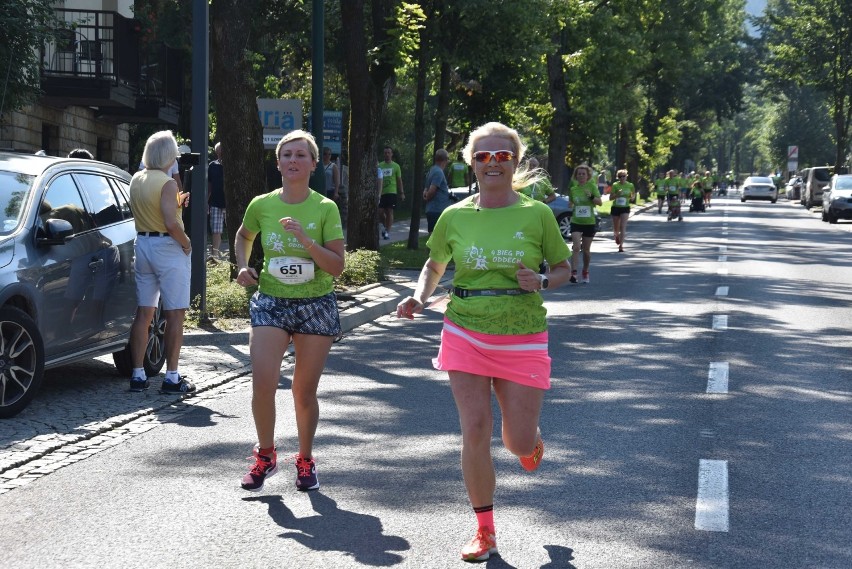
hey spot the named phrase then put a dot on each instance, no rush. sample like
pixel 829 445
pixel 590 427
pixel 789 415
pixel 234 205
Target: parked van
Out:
pixel 813 181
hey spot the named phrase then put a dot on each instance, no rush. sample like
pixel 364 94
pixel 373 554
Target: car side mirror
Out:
pixel 56 231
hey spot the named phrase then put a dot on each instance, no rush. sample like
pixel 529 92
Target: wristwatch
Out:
pixel 545 282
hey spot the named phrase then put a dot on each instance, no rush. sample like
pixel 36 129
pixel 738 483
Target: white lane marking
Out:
pixel 717 377
pixel 711 504
pixel 723 258
pixel 722 271
pixel 720 321
pixel 723 248
pixel 722 291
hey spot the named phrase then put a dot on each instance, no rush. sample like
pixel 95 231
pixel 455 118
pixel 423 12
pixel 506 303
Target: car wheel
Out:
pixel 564 221
pixel 155 353
pixel 21 360
pixel 773 201
pixel 742 200
pixel 831 217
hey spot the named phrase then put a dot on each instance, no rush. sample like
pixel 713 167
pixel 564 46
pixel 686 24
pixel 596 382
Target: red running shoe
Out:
pixel 481 547
pixel 306 474
pixel 533 461
pixel 264 467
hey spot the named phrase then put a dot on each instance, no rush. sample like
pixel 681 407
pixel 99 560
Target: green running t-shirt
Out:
pixel 582 202
pixel 620 194
pixel 320 221
pixel 485 244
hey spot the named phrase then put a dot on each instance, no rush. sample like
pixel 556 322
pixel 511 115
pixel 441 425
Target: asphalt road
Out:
pixel 654 456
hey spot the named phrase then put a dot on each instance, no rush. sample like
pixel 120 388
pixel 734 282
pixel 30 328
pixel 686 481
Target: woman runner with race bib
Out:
pixel 495 332
pixel 302 253
pixel 621 195
pixel 584 197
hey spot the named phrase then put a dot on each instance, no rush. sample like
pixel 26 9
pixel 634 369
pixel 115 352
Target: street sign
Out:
pixel 278 117
pixel 792 158
pixel 332 130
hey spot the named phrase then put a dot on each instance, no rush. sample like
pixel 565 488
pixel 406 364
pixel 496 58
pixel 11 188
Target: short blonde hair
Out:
pixel 298 135
pixel 582 166
pixel 523 176
pixel 621 172
pixel 161 150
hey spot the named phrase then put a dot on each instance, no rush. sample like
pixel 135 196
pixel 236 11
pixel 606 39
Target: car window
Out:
pixel 105 209
pixel 822 174
pixel 122 192
pixel 13 197
pixel 756 180
pixel 844 183
pixel 62 201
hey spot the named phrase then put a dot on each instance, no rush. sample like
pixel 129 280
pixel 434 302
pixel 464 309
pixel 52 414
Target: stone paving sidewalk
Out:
pixel 72 419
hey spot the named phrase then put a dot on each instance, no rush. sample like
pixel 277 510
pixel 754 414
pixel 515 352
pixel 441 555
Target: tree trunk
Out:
pixel 557 139
pixel 234 97
pixel 370 83
pixel 842 112
pixel 419 140
pixel 442 108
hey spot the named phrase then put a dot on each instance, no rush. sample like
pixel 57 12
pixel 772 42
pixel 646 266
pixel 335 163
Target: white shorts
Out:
pixel 162 268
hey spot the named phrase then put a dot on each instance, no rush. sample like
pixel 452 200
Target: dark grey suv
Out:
pixel 67 287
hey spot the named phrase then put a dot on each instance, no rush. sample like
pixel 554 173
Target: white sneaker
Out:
pixel 585 278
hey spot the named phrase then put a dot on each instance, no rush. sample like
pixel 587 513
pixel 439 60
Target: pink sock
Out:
pixel 485 516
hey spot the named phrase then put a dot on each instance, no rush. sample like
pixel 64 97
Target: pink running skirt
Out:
pixel 521 359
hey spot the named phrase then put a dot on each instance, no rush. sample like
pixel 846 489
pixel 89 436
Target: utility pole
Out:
pixel 199 129
pixel 317 80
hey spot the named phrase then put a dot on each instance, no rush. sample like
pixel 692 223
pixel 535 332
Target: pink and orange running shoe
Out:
pixel 481 547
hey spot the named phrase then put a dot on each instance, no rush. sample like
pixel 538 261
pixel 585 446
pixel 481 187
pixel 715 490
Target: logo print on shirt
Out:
pixel 519 235
pixel 476 257
pixel 311 226
pixel 275 243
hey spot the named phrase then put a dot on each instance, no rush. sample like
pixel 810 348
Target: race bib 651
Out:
pixel 291 270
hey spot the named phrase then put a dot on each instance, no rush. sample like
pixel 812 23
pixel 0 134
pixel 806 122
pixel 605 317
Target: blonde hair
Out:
pixel 298 135
pixel 523 176
pixel 161 150
pixel 582 166
pixel 621 172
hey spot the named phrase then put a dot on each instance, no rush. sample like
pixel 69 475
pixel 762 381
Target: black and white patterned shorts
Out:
pixel 317 316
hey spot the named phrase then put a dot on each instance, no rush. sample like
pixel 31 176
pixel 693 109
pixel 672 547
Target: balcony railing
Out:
pixel 104 48
pixel 87 46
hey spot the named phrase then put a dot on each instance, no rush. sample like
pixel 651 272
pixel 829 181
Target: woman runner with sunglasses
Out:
pixel 495 332
pixel 622 194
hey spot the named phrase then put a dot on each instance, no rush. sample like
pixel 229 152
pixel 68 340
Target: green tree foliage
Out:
pixel 810 42
pixel 25 27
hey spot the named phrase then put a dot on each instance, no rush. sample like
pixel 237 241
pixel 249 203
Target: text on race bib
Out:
pixel 584 211
pixel 291 270
pixel 621 202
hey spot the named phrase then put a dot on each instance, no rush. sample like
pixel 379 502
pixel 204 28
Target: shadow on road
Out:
pixel 334 529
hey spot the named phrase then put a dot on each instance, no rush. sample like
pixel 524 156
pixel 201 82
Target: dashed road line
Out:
pixel 721 291
pixel 711 504
pixel 720 321
pixel 717 377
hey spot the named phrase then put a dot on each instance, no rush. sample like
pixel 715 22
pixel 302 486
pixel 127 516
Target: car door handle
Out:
pixel 96 264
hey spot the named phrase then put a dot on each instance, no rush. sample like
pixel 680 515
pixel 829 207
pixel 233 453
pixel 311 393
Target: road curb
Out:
pixel 381 300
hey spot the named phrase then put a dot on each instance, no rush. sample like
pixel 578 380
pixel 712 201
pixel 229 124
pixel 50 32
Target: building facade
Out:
pixel 97 79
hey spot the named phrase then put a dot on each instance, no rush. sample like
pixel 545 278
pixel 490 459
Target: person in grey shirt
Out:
pixel 436 193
